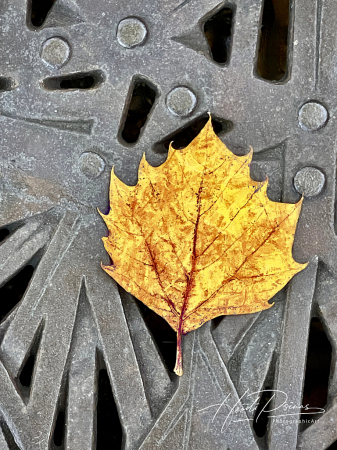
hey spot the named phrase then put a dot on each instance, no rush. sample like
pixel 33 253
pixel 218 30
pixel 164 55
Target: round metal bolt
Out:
pixel 309 181
pixel 131 32
pixel 55 52
pixel 91 164
pixel 181 101
pixel 312 116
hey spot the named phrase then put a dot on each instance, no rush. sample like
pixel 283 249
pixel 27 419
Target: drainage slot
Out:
pixel 184 136
pixel 58 438
pixel 27 369
pixel 4 232
pixel 163 334
pixel 272 59
pixel 12 292
pixel 261 418
pixel 38 11
pixel 60 428
pixel 27 372
pixel 9 437
pixel 109 430
pixel 218 32
pixel 140 105
pixel 317 371
pixel 79 80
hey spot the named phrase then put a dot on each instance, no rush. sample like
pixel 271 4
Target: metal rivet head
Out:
pixel 312 116
pixel 55 52
pixel 131 32
pixel 91 164
pixel 309 181
pixel 181 101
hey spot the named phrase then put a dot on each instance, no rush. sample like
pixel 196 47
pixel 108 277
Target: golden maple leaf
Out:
pixel 197 238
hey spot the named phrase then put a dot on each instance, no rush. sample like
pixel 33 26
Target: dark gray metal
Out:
pixel 57 150
pixel 291 364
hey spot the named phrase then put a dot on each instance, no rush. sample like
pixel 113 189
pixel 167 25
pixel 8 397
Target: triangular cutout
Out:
pixel 212 35
pixel 109 432
pixel 60 427
pixel 164 336
pixel 12 292
pixel 194 39
pixel 218 30
pixel 16 277
pixel 261 420
pixel 26 374
pixel 8 436
pixel 182 137
pixel 8 229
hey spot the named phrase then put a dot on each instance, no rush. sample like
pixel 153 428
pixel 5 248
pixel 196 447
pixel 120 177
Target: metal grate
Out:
pixel 82 366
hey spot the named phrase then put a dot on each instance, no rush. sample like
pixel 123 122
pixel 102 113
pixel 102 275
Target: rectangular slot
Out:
pixel 272 59
pixel 74 81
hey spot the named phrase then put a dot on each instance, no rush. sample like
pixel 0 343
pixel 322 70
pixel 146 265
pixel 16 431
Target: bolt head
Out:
pixel 181 101
pixel 91 164
pixel 312 116
pixel 55 52
pixel 309 181
pixel 131 32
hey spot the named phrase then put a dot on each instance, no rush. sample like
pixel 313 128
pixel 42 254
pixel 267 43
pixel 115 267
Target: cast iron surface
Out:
pixel 58 144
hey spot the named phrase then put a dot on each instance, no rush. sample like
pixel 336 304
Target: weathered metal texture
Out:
pixel 58 146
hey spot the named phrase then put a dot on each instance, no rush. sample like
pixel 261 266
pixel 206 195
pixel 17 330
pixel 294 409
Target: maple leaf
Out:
pixel 197 238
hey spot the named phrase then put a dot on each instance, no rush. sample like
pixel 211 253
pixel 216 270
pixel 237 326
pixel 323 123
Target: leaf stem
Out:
pixel 179 360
